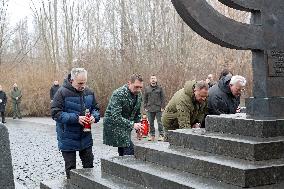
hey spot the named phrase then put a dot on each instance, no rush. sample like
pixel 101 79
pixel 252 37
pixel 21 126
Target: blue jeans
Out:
pixel 151 117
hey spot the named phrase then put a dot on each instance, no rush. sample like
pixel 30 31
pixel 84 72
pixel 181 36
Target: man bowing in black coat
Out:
pixel 3 101
pixel 224 98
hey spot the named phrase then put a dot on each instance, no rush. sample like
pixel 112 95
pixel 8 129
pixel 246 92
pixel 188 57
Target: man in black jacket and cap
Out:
pixel 3 101
pixel 224 98
pixel 54 89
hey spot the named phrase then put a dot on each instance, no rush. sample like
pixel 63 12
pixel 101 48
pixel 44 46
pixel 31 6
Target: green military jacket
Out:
pixel 122 112
pixel 182 111
pixel 16 92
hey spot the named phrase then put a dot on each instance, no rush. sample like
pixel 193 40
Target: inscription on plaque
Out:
pixel 275 61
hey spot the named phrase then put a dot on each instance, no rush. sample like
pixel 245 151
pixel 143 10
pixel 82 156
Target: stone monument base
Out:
pixel 234 152
pixel 6 168
pixel 265 108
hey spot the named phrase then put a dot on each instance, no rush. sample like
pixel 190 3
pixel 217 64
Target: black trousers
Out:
pixel 3 117
pixel 126 150
pixel 69 157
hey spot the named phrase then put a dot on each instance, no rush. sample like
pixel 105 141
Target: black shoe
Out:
pixel 4 122
pixel 20 117
pixel 14 117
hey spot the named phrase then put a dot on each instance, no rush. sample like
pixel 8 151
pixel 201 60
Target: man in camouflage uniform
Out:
pixel 16 95
pixel 122 115
pixel 187 107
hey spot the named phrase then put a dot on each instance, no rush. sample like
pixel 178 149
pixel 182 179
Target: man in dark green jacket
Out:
pixel 187 107
pixel 122 115
pixel 16 95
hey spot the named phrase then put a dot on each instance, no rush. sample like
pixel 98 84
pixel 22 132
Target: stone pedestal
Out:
pixel 6 168
pixel 234 152
pixel 268 87
pixel 265 108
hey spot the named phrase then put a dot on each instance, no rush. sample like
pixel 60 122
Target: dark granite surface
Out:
pixel 6 168
pixel 242 124
pixel 263 36
pixel 231 170
pixel 243 147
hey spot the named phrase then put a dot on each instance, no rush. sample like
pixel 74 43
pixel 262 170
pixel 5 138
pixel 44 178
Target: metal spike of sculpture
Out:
pixel 264 36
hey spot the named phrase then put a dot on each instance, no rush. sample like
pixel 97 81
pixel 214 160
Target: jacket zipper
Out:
pixel 81 107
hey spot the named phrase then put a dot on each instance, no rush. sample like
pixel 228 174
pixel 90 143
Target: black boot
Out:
pixel 3 117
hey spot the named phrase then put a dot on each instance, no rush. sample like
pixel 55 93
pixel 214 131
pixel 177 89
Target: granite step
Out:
pixel 242 125
pixel 243 147
pixel 238 172
pixel 57 184
pixel 94 178
pixel 156 176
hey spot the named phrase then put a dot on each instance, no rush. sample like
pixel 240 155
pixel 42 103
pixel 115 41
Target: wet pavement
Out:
pixel 35 153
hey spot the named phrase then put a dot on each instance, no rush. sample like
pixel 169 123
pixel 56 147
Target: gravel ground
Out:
pixel 35 153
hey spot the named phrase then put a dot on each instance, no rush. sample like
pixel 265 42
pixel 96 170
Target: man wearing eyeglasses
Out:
pixel 224 98
pixel 68 109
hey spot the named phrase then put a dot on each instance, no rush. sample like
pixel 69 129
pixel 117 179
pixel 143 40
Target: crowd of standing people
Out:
pixel 74 106
pixel 16 97
pixel 187 109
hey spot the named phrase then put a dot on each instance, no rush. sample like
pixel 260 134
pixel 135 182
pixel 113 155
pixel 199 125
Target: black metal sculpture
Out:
pixel 263 36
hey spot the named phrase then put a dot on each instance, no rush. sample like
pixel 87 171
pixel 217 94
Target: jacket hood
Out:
pixel 188 87
pixel 223 84
pixel 68 85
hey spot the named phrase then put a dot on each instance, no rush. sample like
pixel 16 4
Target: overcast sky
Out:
pixel 19 9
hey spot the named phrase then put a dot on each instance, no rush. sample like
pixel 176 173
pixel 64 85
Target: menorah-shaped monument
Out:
pixel 263 36
pixel 237 151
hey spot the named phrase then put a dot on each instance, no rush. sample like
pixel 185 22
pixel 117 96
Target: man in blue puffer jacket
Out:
pixel 68 110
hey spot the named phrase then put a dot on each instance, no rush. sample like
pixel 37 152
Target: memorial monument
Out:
pixel 6 168
pixel 263 36
pixel 237 151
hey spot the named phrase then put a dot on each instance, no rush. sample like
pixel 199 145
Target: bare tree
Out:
pixel 3 26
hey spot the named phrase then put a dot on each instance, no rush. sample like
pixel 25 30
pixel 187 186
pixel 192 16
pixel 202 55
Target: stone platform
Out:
pixel 233 152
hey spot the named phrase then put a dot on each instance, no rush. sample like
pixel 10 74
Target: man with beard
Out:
pixel 154 104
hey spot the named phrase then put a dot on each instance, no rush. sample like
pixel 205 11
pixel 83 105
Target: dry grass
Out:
pixel 156 42
pixel 104 76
